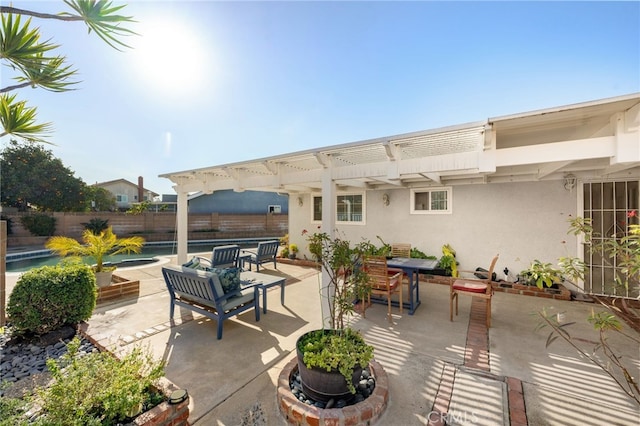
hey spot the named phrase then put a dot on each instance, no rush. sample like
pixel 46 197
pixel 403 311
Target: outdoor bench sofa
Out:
pixel 203 292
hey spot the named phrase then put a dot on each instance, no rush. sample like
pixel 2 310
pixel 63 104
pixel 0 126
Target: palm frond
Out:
pixel 51 74
pixel 20 120
pixel 100 17
pixel 20 45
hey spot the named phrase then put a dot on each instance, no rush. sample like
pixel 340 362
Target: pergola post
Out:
pixel 182 225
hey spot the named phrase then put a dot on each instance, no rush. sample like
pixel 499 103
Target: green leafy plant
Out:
pixel 96 225
pixel 341 350
pixel 339 347
pixel 98 388
pixel 448 260
pixel 139 208
pixel 95 246
pixel 417 254
pixel 40 225
pixel 541 274
pixel 47 298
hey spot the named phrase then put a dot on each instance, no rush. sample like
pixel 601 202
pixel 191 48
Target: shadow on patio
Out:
pixel 433 365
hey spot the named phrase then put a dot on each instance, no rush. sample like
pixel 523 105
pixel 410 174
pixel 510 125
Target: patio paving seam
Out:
pixel 441 403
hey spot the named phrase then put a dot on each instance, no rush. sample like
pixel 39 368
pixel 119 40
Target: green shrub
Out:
pixel 40 225
pixel 96 225
pixel 99 389
pixel 46 298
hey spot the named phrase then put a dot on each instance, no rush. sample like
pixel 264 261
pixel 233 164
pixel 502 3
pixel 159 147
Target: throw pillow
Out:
pixel 194 263
pixel 229 279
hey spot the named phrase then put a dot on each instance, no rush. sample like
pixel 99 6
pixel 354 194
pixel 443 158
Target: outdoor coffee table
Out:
pixel 263 282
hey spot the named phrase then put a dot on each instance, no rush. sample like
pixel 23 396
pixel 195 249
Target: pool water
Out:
pixel 148 255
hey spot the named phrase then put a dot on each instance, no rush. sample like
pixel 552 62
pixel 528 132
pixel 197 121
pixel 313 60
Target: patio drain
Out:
pixel 366 412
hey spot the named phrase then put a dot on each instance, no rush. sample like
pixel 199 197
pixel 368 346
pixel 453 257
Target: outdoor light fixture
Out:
pixel 300 202
pixel 385 199
pixel 569 182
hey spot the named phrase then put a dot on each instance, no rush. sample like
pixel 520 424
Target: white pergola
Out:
pixel 581 141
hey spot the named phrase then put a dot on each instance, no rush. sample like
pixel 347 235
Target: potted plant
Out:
pixel 447 264
pixel 540 274
pixel 293 251
pixel 330 360
pixel 96 246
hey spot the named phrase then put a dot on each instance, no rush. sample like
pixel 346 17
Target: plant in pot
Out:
pixel 96 247
pixel 293 251
pixel 331 360
pixel 540 274
pixel 447 264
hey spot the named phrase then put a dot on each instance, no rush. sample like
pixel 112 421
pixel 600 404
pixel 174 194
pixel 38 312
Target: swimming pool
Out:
pixel 20 262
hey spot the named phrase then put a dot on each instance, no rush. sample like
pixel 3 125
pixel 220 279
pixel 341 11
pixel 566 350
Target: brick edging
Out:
pixel 367 412
pixel 163 414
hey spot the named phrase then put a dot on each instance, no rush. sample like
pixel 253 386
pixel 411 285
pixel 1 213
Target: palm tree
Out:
pixel 37 63
pixel 96 246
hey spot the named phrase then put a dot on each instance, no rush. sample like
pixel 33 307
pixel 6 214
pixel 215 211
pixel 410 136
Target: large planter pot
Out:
pixel 103 278
pixel 322 385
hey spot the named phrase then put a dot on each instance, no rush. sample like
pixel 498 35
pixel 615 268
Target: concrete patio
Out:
pixel 503 377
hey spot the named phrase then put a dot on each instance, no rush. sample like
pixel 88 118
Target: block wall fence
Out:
pixel 160 226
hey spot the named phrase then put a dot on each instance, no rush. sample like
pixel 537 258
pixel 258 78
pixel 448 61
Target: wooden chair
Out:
pixel 473 287
pixel 401 250
pixel 381 282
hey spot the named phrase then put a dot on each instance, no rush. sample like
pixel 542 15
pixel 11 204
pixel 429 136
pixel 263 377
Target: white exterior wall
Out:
pixel 520 221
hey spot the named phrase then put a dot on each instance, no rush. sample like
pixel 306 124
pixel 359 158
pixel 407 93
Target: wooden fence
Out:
pixel 160 226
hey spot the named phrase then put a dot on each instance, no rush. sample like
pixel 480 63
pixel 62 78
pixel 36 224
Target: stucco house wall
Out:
pixel 520 221
pixel 123 187
pixel 231 202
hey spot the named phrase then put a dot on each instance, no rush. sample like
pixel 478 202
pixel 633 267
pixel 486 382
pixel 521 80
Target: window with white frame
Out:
pixel 122 198
pixel 431 200
pixel 349 208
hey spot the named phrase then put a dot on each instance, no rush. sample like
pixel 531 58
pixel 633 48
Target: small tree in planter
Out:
pixel 626 249
pixel 339 350
pixel 106 243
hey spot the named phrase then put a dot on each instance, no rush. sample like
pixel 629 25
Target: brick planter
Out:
pixel 120 288
pixel 163 414
pixel 561 293
pixel 366 412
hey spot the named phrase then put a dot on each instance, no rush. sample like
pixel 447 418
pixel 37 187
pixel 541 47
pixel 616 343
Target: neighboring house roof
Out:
pixel 597 138
pixel 126 182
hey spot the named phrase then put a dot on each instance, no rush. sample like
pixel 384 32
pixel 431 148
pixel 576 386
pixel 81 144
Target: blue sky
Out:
pixel 211 83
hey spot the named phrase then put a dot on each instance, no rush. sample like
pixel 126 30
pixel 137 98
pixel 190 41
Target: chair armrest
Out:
pixel 250 252
pixel 396 275
pixel 204 259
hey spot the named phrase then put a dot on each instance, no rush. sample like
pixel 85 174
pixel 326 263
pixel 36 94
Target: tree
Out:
pixel 37 64
pixel 99 199
pixel 33 178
